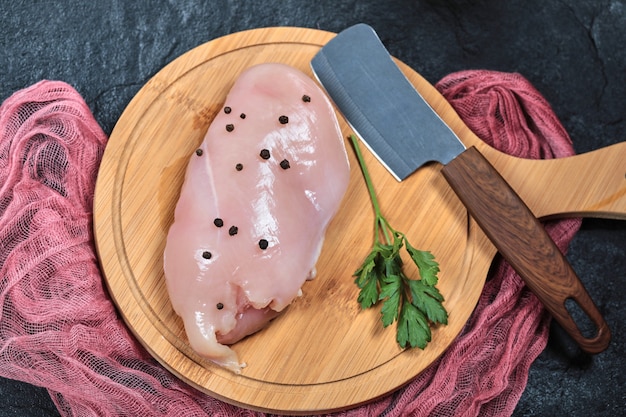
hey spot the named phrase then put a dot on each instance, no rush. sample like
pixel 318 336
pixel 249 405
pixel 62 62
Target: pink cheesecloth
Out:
pixel 60 330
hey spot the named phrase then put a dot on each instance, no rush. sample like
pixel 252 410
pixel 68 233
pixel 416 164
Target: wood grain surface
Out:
pixel 323 353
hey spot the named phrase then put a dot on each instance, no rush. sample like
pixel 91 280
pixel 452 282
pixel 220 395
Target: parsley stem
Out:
pixel 380 223
pixel 366 174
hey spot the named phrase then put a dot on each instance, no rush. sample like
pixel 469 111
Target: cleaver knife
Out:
pixel 404 132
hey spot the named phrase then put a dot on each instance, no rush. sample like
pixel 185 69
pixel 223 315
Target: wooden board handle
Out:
pixel 524 243
pixel 591 184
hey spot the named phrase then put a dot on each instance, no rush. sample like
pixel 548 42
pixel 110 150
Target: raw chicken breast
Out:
pixel 258 195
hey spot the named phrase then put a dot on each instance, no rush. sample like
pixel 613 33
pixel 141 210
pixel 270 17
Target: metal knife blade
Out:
pixel 403 131
pixel 381 105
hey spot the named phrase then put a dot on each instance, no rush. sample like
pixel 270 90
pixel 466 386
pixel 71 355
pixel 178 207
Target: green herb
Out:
pixel 414 303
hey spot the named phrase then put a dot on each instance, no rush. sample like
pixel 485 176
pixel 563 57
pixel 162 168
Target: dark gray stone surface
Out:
pixel 571 50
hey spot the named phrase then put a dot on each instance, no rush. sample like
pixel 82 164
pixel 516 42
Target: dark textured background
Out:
pixel 571 50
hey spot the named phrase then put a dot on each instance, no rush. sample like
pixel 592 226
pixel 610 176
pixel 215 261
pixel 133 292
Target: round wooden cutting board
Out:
pixel 324 353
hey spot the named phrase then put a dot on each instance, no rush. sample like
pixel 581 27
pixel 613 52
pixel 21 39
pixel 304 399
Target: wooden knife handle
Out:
pixel 524 243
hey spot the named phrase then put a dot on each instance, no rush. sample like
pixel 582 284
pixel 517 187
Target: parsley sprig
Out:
pixel 414 303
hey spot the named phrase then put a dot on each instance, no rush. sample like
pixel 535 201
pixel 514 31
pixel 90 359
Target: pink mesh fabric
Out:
pixel 59 329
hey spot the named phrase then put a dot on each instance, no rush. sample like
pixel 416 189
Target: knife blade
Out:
pixel 402 130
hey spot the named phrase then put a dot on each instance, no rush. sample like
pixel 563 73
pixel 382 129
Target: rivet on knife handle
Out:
pixel 522 241
pixel 404 132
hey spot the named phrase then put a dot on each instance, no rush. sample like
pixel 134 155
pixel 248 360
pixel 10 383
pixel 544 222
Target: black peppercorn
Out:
pixel 284 164
pixel 199 152
pixel 263 244
pixel 265 154
pixel 233 230
pixel 283 120
pixel 219 306
pixel 218 222
pixel 230 127
pixel 206 254
pixel 239 167
pixel 227 110
pixel 306 99
pixel 242 115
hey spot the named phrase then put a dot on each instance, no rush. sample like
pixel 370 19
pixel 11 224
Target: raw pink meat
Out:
pixel 258 196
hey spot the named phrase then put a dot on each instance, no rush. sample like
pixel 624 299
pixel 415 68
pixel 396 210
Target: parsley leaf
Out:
pixel 415 304
pixel 428 300
pixel 413 328
pixel 426 264
pixel 367 281
pixel 390 293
